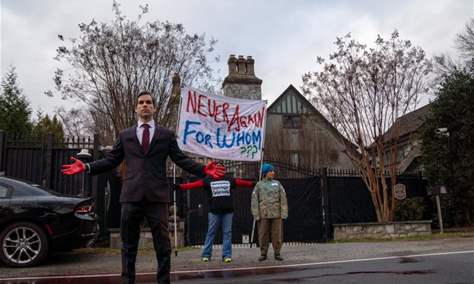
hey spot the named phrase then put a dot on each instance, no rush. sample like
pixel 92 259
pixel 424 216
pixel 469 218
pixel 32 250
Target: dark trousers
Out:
pixel 273 227
pixel 157 217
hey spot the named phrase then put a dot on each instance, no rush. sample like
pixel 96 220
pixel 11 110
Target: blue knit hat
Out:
pixel 266 168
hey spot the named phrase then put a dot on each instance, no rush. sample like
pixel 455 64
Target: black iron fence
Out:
pixel 317 198
pixel 39 160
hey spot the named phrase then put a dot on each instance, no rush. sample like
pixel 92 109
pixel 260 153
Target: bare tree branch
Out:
pixel 364 91
pixel 112 62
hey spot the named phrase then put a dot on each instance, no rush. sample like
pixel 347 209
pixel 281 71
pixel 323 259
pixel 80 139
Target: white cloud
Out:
pixel 284 37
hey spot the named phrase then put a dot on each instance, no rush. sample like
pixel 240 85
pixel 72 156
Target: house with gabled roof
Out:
pixel 406 131
pixel 298 134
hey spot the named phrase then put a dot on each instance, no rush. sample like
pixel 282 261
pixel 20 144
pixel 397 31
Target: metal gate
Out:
pixel 304 223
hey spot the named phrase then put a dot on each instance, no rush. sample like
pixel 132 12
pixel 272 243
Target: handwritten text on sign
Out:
pixel 221 127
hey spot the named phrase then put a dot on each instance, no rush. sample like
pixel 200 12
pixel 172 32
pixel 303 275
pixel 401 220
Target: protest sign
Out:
pixel 221 127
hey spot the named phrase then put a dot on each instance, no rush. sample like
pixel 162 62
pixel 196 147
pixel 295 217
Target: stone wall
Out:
pixel 381 230
pixel 248 92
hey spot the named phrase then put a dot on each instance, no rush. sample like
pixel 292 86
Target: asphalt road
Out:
pixel 430 261
pixel 446 267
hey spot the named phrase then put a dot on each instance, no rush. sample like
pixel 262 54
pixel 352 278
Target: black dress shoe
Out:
pixel 262 258
pixel 278 257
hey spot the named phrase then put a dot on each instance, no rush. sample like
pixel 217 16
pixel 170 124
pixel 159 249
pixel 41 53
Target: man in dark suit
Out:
pixel 145 189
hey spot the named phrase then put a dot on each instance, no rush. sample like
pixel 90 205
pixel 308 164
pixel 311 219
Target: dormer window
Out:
pixel 291 121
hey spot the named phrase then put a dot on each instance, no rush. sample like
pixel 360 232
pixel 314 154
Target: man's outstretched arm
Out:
pixel 191 185
pixel 244 183
pixel 111 160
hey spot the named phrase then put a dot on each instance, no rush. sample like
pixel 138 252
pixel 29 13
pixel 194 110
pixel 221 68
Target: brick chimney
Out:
pixel 241 81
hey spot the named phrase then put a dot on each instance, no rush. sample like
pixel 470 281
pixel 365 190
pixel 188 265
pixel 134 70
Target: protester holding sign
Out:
pixel 223 128
pixel 269 207
pixel 221 210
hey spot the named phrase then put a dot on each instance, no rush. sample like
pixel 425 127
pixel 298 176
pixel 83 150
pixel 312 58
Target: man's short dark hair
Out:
pixel 144 93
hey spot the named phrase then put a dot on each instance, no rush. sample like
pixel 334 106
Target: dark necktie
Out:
pixel 145 137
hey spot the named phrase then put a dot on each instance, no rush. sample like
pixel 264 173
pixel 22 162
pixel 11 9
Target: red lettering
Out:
pixel 243 121
pixel 217 114
pixel 211 110
pixel 259 117
pixel 201 105
pixel 205 106
pixel 225 106
pixel 191 101
pixel 251 119
pixel 235 119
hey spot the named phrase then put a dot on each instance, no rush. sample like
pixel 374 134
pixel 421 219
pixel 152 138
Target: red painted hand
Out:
pixel 74 168
pixel 214 170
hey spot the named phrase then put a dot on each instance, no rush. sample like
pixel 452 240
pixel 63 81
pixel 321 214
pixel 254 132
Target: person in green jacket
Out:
pixel 269 207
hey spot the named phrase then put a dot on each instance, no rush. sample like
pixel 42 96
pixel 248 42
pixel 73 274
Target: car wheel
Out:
pixel 23 244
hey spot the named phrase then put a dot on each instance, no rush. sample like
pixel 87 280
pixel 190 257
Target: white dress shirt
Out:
pixel 139 135
pixel 140 130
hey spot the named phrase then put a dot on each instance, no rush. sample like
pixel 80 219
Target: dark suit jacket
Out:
pixel 145 176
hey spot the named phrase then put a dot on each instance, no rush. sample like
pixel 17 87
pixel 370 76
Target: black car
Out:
pixel 35 221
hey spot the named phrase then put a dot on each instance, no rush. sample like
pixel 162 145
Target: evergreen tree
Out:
pixel 45 125
pixel 448 146
pixel 14 108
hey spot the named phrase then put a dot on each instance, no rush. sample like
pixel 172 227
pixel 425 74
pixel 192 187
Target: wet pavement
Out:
pixel 454 267
pixel 303 264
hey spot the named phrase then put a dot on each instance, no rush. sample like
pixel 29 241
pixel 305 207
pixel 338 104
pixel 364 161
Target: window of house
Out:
pixel 387 157
pixel 407 149
pixel 291 121
pixel 403 152
pixel 293 141
pixel 295 159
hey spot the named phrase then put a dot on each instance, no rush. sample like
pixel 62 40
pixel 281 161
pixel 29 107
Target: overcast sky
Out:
pixel 284 37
